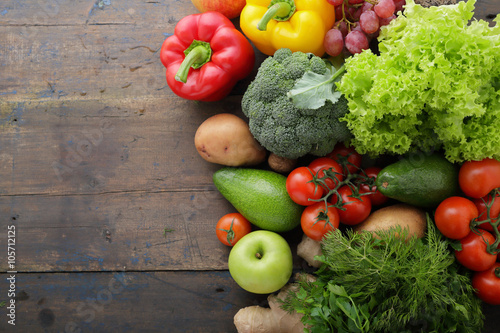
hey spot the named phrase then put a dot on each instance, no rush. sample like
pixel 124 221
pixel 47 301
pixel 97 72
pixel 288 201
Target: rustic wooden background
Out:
pixel 114 209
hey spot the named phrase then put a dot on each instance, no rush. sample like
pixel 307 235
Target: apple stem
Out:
pixel 258 255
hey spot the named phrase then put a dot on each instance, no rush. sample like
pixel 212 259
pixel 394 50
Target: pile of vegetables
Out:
pixel 387 283
pixel 408 251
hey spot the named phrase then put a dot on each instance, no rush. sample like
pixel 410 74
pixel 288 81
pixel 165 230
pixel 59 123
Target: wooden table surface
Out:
pixel 113 208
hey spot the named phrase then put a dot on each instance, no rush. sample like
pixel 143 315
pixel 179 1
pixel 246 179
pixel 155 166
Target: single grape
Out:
pixel 369 22
pixel 384 8
pixel 386 21
pixel 335 2
pixel 356 41
pixel 352 13
pixel 333 42
pixel 338 12
pixel 399 5
pixel 355 2
pixel 342 26
pixel 373 35
pixel 368 6
pixel 355 26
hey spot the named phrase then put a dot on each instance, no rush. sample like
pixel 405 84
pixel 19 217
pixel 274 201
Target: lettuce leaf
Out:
pixel 435 84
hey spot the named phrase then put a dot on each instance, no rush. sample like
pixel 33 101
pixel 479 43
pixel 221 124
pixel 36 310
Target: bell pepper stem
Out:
pixel 197 55
pixel 280 10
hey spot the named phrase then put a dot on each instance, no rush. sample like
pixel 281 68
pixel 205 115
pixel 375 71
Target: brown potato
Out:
pixel 226 139
pixel 403 215
pixel 281 164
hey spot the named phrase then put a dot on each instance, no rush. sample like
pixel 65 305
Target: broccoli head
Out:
pixel 275 121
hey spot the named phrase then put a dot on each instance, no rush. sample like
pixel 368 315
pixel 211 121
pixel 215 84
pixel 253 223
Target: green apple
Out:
pixel 261 262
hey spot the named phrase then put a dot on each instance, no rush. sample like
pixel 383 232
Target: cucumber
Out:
pixel 422 180
pixel 260 196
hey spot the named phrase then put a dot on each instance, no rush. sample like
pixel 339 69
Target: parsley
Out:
pixel 387 284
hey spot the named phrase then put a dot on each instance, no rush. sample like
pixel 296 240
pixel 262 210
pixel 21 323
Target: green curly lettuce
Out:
pixel 435 84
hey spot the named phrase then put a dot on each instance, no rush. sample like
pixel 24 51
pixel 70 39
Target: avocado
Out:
pixel 419 179
pixel 260 196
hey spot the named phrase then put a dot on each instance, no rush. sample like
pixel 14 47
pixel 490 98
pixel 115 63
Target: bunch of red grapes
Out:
pixel 357 23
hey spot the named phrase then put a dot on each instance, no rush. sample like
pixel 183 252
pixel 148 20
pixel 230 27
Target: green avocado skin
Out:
pixel 260 196
pixel 422 180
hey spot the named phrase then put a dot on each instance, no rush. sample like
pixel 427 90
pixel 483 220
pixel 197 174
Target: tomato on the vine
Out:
pixel 482 205
pixel 454 215
pixel 347 156
pixel 332 168
pixel 487 284
pixel 319 219
pixel 231 228
pixel 375 196
pixel 301 188
pixel 478 178
pixel 474 254
pixel 353 210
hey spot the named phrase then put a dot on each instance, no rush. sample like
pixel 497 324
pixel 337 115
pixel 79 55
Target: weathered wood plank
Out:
pixel 159 13
pixel 137 302
pixel 127 301
pixel 116 231
pixel 486 10
pixel 117 145
pixel 83 63
pixel 88 99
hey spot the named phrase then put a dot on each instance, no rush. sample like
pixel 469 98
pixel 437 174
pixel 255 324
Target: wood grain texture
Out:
pixel 125 301
pixel 93 139
pixel 203 302
pixel 99 174
pixel 137 230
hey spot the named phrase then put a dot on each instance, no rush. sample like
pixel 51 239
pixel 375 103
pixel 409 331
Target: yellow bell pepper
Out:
pixel 299 25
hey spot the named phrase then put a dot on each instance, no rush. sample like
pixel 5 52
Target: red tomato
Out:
pixel 487 284
pixel 478 178
pixel 317 220
pixel 231 228
pixel 474 254
pixel 376 197
pixel 353 210
pixel 300 187
pixel 347 156
pixel 453 217
pixel 482 206
pixel 322 164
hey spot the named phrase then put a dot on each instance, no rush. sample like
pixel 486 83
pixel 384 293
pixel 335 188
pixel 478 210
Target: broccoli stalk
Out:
pixel 307 123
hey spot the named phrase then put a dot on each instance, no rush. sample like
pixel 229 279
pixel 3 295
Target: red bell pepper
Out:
pixel 206 56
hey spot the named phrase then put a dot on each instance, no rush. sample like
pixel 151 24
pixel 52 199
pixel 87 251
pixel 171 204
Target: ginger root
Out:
pixel 257 319
pixel 307 249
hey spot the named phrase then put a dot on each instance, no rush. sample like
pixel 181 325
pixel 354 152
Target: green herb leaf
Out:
pixel 389 284
pixel 337 290
pixel 301 294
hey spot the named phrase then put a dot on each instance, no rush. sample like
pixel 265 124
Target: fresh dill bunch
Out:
pixel 388 283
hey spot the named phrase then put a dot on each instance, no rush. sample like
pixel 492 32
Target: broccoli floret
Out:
pixel 275 121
